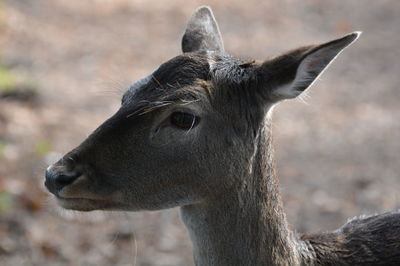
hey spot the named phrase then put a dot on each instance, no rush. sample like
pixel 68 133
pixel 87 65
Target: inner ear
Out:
pixel 288 75
pixel 318 59
pixel 202 32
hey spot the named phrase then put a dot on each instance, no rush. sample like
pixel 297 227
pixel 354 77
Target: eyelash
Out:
pixel 183 120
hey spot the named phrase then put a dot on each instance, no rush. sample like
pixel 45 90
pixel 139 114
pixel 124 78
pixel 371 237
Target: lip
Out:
pixel 87 204
pixel 78 204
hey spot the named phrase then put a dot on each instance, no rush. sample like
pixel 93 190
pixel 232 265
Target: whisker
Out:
pixel 145 110
pixel 134 243
pixel 159 84
pixel 191 127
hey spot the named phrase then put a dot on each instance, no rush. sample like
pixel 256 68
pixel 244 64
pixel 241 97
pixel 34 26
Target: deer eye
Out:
pixel 184 120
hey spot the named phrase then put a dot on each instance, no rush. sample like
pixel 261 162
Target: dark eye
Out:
pixel 184 120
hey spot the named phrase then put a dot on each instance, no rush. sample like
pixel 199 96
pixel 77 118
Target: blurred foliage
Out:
pixel 2 148
pixel 6 201
pixel 16 85
pixel 8 82
pixel 1 11
pixel 43 147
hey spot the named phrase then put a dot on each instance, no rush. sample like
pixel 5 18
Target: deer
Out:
pixel 196 134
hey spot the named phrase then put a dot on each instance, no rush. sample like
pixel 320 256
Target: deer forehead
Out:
pixel 189 76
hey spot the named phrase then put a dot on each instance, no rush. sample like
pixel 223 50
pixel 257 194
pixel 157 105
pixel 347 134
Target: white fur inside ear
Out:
pixel 207 23
pixel 312 66
pixel 308 72
pixel 202 32
pixel 285 92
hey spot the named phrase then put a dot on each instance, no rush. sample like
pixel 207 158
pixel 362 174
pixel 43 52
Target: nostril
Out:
pixel 56 180
pixel 66 178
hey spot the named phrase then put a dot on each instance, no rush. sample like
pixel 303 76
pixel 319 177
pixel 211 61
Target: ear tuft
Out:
pixel 202 32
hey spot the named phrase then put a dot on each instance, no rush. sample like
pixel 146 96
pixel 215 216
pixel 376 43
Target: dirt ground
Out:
pixel 338 151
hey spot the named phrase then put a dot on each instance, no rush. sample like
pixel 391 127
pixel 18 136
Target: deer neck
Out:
pixel 246 226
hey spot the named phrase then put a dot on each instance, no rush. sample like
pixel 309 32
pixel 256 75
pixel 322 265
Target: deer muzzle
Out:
pixel 59 177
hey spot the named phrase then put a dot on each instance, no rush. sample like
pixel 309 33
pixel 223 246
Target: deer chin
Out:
pixel 76 197
pixel 88 204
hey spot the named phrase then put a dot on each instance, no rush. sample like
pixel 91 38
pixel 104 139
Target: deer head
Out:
pixel 187 132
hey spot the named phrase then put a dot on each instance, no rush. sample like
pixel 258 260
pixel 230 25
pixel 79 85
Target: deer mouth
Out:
pixel 89 204
pixel 73 191
pixel 78 204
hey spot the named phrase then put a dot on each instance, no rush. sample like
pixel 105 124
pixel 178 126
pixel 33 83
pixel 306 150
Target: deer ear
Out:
pixel 288 75
pixel 202 32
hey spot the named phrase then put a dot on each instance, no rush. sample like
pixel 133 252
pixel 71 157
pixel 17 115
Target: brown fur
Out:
pixel 220 171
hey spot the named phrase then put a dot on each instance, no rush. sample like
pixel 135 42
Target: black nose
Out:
pixel 57 179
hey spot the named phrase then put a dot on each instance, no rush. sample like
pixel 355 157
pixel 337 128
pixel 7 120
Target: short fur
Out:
pixel 220 171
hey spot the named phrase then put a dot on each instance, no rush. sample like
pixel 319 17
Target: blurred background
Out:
pixel 64 65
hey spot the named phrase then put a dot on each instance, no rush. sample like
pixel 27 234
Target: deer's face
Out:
pixel 184 133
pixel 161 149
